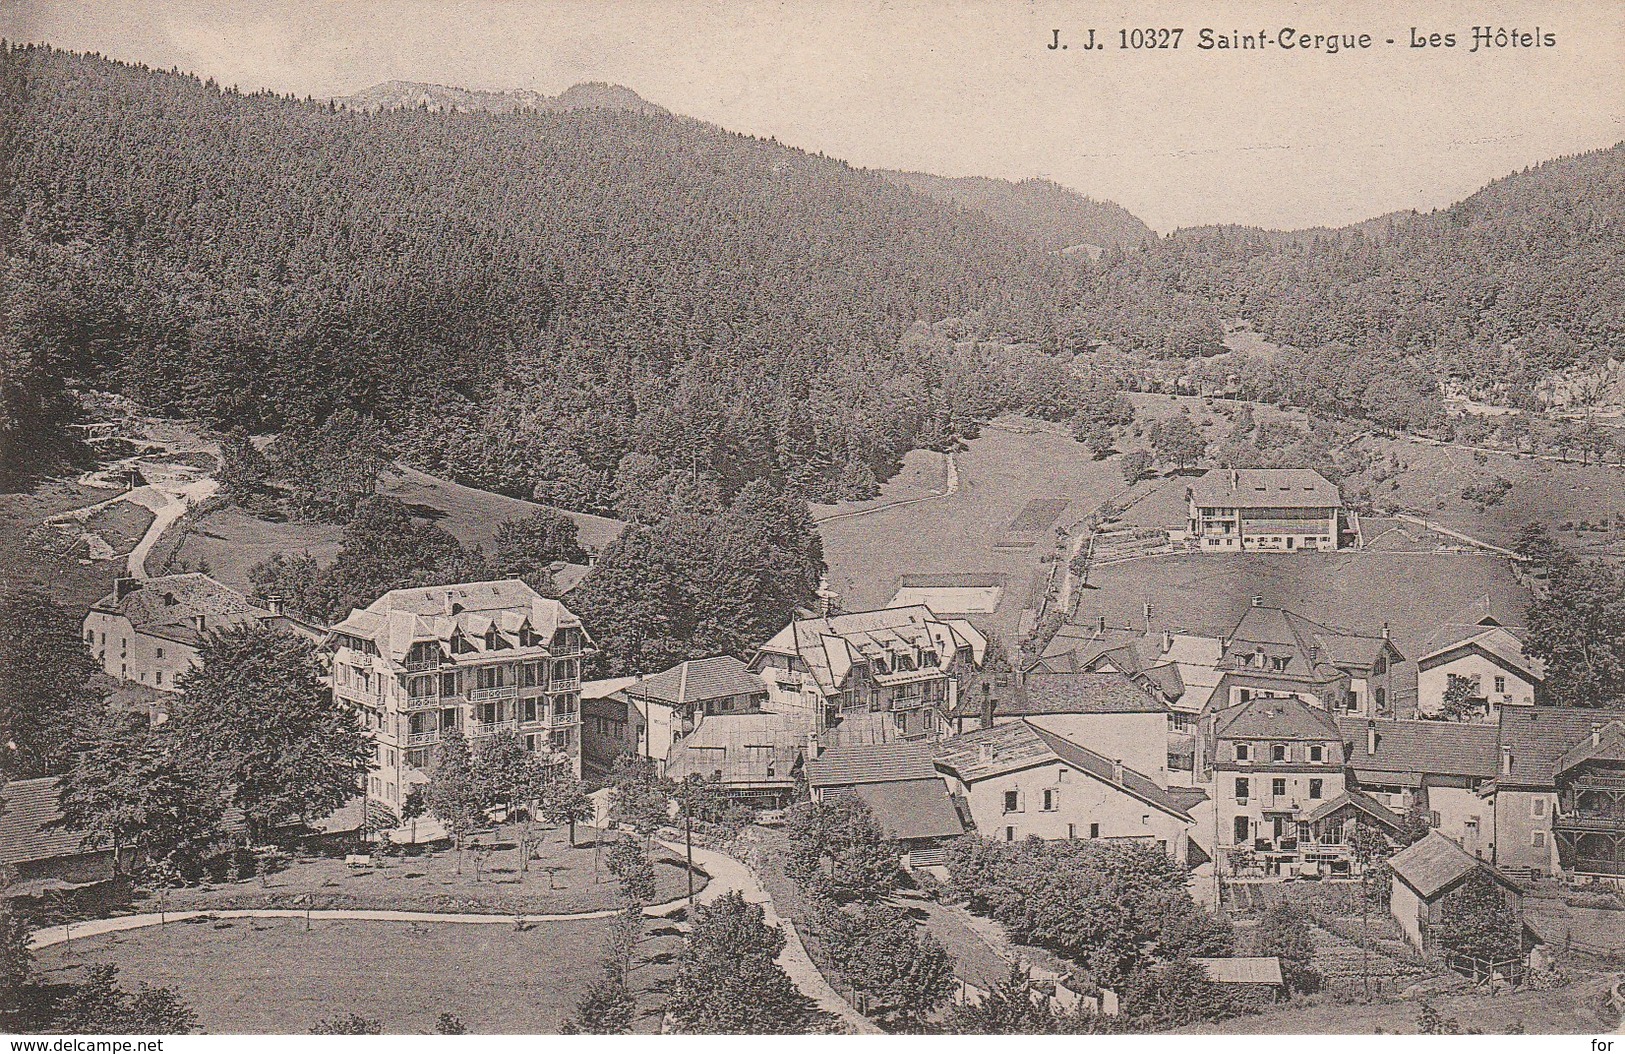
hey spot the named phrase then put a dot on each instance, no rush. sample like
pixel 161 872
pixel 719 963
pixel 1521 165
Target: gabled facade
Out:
pixel 1557 807
pixel 1020 781
pixel 147 632
pixel 1264 510
pixel 1480 651
pixel 902 661
pixel 479 657
pixel 1273 652
pixel 1443 769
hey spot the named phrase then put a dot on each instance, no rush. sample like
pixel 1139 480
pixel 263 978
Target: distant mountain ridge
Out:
pixel 1045 212
pixel 407 95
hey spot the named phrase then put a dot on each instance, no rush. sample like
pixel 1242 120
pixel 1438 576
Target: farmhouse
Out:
pixel 1425 874
pixel 147 632
pixel 479 657
pixel 902 661
pixel 1264 510
pixel 1020 781
pixel 1480 654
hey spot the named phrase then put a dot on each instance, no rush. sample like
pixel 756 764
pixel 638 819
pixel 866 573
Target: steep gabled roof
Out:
pixel 1536 738
pixel 1061 693
pixel 1604 744
pixel 1282 719
pixel 1435 864
pixel 170 606
pixel 699 680
pixel 890 637
pixel 1309 648
pixel 467 610
pixel 1499 644
pixel 28 812
pixel 913 808
pixel 1359 802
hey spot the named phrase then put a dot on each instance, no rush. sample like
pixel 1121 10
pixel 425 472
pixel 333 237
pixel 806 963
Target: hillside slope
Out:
pixel 1048 213
pixel 522 299
pixel 399 95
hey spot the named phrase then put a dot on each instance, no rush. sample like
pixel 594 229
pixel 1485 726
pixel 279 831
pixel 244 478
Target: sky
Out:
pixel 1272 137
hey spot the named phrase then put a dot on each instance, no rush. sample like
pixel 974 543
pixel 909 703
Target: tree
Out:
pixel 727 980
pixel 641 799
pixel 98 1006
pixel 1461 698
pixel 1174 995
pixel 449 1024
pixel 245 471
pixel 512 775
pixel 839 847
pixel 607 1009
pixel 1477 920
pixel 1177 440
pixel 1136 466
pixel 1537 546
pixel 130 789
pixel 564 799
pixel 1284 932
pixel 1578 627
pixel 527 548
pixel 455 793
pixel 628 862
pixel 348 1025
pixel 45 698
pixel 261 732
pixel 1014 1006
pixel 904 974
pixel 333 467
pixel 16 965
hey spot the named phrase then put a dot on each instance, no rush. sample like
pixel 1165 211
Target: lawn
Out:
pixel 565 880
pixel 33 555
pixel 1011 464
pixel 272 976
pixel 228 542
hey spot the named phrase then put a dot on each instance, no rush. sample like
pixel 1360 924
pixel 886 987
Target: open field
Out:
pixel 1010 464
pixel 271 976
pixel 924 472
pixel 229 541
pixel 36 556
pixel 565 880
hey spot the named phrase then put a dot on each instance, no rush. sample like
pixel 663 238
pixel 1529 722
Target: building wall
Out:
pixel 661 726
pixel 619 732
pixel 1139 741
pixel 1408 910
pixel 1432 682
pixel 1082 807
pixel 1261 798
pixel 132 656
pixel 1464 818
pixel 1522 814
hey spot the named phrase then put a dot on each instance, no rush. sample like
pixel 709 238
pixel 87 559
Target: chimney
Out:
pixel 124 585
pixel 987 705
pixel 1506 760
pixel 1370 737
pixel 1596 734
pixel 449 605
pixel 1117 772
pixel 200 622
pixel 813 749
pixel 1257 601
pixel 1167 642
pixel 1148 616
pixel 1385 631
pixel 1100 626
pixel 1234 479
pixel 275 603
pixel 984 753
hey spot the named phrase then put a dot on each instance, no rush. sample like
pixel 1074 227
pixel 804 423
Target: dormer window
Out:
pixel 1279 664
pixel 1242 752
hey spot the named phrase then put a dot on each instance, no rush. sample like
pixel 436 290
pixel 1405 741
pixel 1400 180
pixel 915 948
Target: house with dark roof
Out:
pixel 1264 510
pixel 481 657
pixel 1020 781
pixel 671 703
pixel 147 631
pixel 1281 805
pixel 36 848
pixel 1425 874
pixel 758 759
pixel 1274 651
pixel 1444 769
pixel 1559 805
pixel 902 661
pixel 1479 653
pixel 902 788
pixel 1120 715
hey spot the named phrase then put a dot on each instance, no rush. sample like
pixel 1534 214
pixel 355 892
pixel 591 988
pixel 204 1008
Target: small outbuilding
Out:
pixel 1427 872
pixel 1255 975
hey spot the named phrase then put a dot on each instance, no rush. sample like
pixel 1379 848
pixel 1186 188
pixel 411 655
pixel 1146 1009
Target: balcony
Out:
pixel 1589 820
pixel 422 702
pixel 477 729
pixel 422 739
pixel 489 695
pixel 423 665
pixel 564 720
pixel 564 684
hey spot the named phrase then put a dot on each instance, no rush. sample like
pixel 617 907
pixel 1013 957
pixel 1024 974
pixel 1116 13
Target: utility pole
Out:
pixel 688 841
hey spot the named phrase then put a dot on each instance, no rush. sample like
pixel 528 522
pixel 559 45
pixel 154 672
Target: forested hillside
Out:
pixel 520 300
pixel 394 95
pixel 1046 212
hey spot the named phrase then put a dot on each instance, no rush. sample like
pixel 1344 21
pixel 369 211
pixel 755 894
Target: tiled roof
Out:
pixel 1433 865
pixel 1604 744
pixel 1060 693
pixel 606 687
pixel 698 680
pixel 171 605
pixel 1242 969
pixel 871 763
pixel 1019 745
pixel 404 617
pixel 1354 799
pixel 1539 736
pixel 1451 748
pixel 1265 488
pixel 1280 719
pixel 1310 648
pixel 912 808
pixel 27 810
pixel 888 637
pixel 1500 644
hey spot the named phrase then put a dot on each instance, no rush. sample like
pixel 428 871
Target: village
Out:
pixel 1281 763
